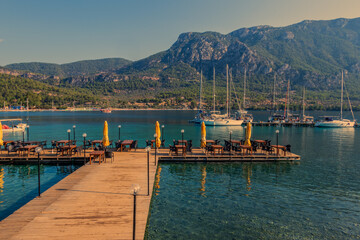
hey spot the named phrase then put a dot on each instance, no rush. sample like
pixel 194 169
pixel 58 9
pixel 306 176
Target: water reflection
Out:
pixel 157 181
pixel 1 179
pixel 203 180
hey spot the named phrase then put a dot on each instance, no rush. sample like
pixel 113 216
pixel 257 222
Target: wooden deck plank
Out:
pixel 92 203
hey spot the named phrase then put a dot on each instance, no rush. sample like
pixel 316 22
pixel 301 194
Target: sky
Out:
pixel 65 31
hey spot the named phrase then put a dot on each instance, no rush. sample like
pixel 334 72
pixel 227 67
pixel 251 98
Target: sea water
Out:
pixel 318 198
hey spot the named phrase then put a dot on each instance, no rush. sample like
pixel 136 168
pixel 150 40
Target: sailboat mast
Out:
pixel 244 88
pixel 214 86
pixel 342 95
pixel 200 89
pixel 227 90
pixel 303 110
pixel 286 101
pixel 274 104
pixel 230 81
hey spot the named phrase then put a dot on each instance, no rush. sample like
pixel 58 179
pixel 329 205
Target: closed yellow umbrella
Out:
pixel 203 135
pixel 105 139
pixel 1 135
pixel 158 133
pixel 248 134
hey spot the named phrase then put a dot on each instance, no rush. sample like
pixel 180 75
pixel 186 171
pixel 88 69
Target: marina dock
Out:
pixel 286 124
pixel 95 202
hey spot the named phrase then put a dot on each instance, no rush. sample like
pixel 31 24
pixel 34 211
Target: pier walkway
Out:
pixel 94 202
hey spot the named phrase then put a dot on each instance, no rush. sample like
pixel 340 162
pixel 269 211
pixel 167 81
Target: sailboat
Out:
pixel 305 118
pixel 335 122
pixel 243 113
pixel 217 119
pixel 199 116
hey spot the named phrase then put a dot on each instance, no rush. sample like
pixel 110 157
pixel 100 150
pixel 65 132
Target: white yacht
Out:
pixel 13 125
pixel 217 119
pixel 336 122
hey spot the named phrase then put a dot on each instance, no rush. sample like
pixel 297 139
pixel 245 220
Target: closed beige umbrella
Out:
pixel 248 134
pixel 105 140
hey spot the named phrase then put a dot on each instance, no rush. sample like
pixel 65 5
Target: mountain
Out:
pixel 15 90
pixel 85 67
pixel 310 54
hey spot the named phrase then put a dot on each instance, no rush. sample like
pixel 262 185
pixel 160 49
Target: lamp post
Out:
pixel 147 149
pixel 182 136
pixel 38 150
pixel 84 136
pixel 135 188
pixel 230 142
pixel 23 135
pixel 119 131
pixel 155 136
pixel 28 133
pixel 277 140
pixel 68 131
pixel 162 134
pixel 74 126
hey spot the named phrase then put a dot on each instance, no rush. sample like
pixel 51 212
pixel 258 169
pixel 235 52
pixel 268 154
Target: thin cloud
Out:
pixel 1 40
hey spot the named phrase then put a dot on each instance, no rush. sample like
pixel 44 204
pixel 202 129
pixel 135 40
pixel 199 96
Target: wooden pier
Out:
pixel 95 201
pixel 288 124
pixel 198 155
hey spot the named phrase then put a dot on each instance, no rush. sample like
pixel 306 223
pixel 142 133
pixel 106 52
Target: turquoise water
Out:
pixel 19 184
pixel 319 198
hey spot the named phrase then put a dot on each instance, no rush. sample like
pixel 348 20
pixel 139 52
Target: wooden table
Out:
pixel 181 142
pixel 94 142
pixel 95 154
pixel 152 143
pixel 247 148
pixel 182 147
pixel 63 142
pixel 68 149
pixel 210 142
pixel 219 148
pixel 279 147
pixel 261 142
pixel 27 148
pixel 125 143
pixel 6 143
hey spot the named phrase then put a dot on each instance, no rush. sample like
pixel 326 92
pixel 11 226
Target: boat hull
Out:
pixel 223 122
pixel 335 124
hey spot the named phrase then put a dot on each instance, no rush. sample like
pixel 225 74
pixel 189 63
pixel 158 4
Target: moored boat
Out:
pixel 105 110
pixel 336 122
pixel 13 126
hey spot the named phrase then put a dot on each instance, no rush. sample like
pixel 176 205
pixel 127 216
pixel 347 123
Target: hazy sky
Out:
pixel 70 30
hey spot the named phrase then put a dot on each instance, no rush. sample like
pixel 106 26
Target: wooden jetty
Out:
pixel 198 155
pixel 95 201
pixel 287 124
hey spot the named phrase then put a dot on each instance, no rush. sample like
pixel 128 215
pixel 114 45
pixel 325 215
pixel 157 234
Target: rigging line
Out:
pixel 236 97
pixel 347 95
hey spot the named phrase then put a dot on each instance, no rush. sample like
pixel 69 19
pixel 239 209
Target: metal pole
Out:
pixel 23 136
pixel 39 174
pixel 69 137
pixel 155 150
pixel 182 138
pixel 277 142
pixel 84 151
pixel 162 134
pixel 134 216
pixel 148 174
pixel 119 134
pixel 74 134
